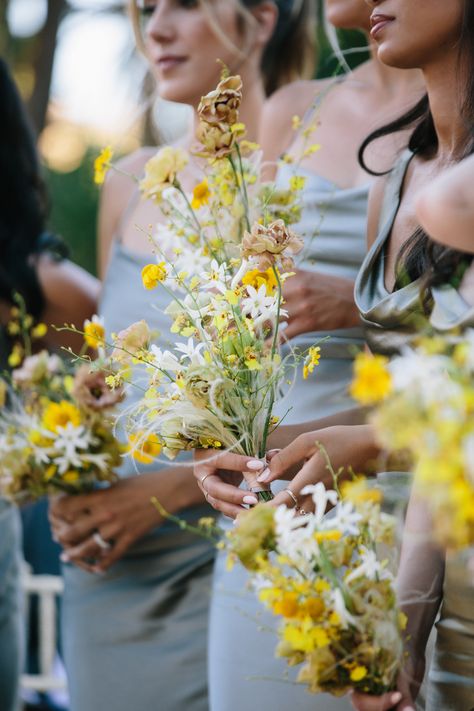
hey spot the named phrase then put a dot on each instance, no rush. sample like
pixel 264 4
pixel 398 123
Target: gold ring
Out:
pixel 292 497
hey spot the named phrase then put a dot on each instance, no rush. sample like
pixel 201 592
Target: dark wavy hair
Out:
pixel 420 256
pixel 23 203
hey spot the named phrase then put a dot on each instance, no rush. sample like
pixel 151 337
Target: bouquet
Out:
pixel 324 578
pixel 223 253
pixel 56 424
pixel 424 403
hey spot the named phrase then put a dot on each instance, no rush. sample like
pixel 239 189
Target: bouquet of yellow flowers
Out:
pixel 324 578
pixel 425 404
pixel 223 253
pixel 56 426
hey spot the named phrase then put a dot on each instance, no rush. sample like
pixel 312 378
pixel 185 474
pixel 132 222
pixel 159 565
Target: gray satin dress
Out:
pixel 244 673
pixel 391 320
pixel 135 639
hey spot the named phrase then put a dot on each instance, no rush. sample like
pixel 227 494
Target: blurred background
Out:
pixel 86 87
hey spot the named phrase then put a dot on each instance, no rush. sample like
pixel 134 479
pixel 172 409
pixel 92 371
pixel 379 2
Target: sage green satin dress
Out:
pixel 392 320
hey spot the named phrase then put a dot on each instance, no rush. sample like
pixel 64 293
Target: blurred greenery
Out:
pixel 74 202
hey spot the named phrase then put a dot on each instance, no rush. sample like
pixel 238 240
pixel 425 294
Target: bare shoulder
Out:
pixel 117 191
pixel 294 99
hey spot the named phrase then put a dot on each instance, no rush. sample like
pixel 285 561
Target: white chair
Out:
pixel 47 588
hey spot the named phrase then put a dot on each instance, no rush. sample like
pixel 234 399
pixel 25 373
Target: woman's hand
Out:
pixel 408 685
pixel 101 526
pixel 318 302
pixel 398 701
pixel 219 475
pixel 304 461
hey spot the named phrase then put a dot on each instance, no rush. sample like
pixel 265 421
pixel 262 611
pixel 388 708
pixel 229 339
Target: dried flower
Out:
pixel 270 242
pixel 91 391
pixel 130 341
pixel 221 106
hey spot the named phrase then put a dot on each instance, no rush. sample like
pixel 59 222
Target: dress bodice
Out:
pixel 392 319
pixel 333 225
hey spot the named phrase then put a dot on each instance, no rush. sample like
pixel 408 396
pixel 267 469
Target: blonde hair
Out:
pixel 291 52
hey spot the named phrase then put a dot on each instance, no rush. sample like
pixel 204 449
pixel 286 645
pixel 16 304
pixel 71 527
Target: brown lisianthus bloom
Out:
pixel 92 392
pixel 218 141
pixel 270 245
pixel 221 106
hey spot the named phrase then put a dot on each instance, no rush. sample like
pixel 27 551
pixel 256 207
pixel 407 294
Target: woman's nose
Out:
pixel 161 26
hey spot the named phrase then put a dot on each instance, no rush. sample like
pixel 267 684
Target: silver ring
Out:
pixel 101 542
pixel 292 497
pixel 202 479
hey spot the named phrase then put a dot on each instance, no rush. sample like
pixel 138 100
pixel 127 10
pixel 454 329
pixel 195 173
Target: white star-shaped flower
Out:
pixel 321 497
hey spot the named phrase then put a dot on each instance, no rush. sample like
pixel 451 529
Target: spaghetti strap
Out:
pixel 127 212
pixel 393 188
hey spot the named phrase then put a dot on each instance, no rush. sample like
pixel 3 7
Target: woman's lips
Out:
pixel 378 22
pixel 168 62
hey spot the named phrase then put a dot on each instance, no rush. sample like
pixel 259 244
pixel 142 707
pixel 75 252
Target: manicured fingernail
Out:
pixel 395 698
pixel 254 465
pixel 250 500
pixel 64 558
pixel 264 475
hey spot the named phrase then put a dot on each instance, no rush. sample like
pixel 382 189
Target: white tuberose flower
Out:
pixel 370 568
pixel 345 519
pixel 68 441
pixel 321 497
pixel 259 306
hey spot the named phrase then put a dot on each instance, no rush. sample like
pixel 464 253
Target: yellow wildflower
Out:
pixel 311 360
pixel 201 195
pixel 102 165
pixel 251 359
pixel 297 182
pixel 152 274
pixel 331 535
pixel 13 328
pixel 50 472
pixel 287 605
pixel 296 122
pixel 60 414
pixel 16 356
pixel 71 476
pixel 161 171
pixel 144 449
pixel 39 331
pixel 94 332
pixel 358 673
pixel 372 381
pixel 256 278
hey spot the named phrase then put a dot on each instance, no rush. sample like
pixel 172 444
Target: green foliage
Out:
pixel 74 202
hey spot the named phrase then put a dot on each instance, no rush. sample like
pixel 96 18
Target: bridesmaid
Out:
pixel 438 38
pixel 320 302
pixel 135 637
pixel 55 291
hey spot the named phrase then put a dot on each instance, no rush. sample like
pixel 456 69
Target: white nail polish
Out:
pixel 254 465
pixel 250 500
pixel 264 475
pixel 64 558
